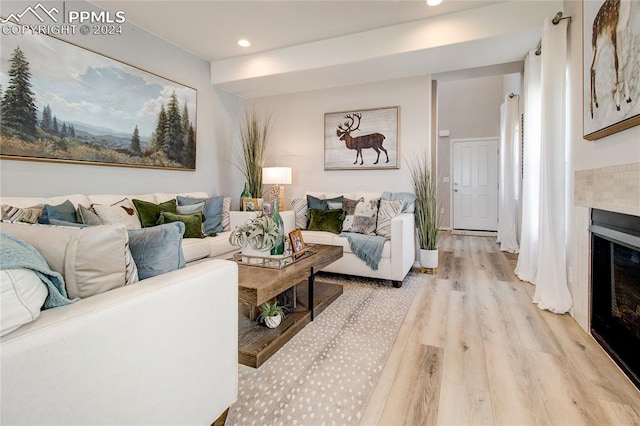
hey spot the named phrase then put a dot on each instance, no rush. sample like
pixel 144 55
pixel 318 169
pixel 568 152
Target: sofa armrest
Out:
pixel 161 351
pixel 289 219
pixel 240 218
pixel 403 252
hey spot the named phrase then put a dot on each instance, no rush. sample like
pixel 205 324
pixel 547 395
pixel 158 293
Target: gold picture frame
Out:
pixel 297 243
pixel 250 205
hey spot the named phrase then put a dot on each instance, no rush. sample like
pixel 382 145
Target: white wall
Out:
pixel 217 116
pixel 297 139
pixel 620 148
pixel 468 109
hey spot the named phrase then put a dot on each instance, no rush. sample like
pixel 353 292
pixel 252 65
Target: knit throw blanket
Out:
pixel 368 248
pixel 15 253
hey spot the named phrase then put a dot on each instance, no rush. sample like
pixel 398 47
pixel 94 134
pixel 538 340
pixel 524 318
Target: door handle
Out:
pixel 455 190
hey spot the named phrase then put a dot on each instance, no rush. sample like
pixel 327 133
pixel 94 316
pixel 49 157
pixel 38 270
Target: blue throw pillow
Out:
pixel 158 249
pixel 65 212
pixel 212 212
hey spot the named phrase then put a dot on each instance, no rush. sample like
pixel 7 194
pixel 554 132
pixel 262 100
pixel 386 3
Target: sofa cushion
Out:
pixel 196 248
pixel 149 213
pixel 88 216
pixel 21 214
pixel 212 211
pixel 158 249
pixel 91 260
pixel 123 212
pixel 65 212
pixel 22 294
pixel 192 223
pixel 326 220
pixel 387 211
pixel 346 247
pixel 361 215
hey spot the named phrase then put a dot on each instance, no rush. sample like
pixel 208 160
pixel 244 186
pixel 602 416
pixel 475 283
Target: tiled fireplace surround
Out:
pixel 616 189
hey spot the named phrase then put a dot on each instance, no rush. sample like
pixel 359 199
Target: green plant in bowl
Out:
pixel 271 315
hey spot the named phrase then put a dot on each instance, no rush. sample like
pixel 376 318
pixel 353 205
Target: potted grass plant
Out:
pixel 272 314
pixel 250 155
pixel 426 210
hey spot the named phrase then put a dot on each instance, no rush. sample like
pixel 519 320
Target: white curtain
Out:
pixel 509 174
pixel 552 292
pixel 528 257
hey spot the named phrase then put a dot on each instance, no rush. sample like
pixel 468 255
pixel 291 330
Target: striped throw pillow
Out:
pixel 17 214
pixel 300 209
pixel 226 216
pixel 387 211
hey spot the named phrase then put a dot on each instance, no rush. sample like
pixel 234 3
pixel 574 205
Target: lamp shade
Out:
pixel 276 175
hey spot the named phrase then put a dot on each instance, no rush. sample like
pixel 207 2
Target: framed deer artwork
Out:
pixel 611 54
pixel 366 139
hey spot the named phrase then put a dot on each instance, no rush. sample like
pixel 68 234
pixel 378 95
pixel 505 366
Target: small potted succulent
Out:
pixel 271 315
pixel 256 237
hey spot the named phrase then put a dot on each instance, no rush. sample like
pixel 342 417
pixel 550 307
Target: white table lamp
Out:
pixel 276 176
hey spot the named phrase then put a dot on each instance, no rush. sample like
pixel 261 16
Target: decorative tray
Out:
pixel 276 261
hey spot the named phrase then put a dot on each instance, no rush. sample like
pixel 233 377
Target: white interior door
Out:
pixel 475 184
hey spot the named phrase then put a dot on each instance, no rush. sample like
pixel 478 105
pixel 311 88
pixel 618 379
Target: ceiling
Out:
pixel 211 29
pixel 307 45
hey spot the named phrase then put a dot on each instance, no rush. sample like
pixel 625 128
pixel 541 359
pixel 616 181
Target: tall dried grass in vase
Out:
pixel 426 206
pixel 250 156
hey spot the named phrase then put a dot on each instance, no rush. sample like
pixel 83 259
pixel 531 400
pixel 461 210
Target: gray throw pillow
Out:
pixel 158 249
pixel 88 216
pixel 212 212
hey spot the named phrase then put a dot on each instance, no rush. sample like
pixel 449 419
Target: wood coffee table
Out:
pixel 256 285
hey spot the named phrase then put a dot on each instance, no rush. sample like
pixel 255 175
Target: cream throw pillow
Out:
pixel 121 212
pixel 22 294
pixel 92 259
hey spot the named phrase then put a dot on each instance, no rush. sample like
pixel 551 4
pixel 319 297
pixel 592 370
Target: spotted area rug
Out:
pixel 327 372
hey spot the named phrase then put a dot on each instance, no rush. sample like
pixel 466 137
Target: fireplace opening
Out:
pixel 615 288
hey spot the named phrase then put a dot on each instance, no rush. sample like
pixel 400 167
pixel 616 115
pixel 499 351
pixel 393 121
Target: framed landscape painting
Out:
pixel 611 42
pixel 366 139
pixel 64 103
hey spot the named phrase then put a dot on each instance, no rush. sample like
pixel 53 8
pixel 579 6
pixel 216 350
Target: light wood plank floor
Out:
pixel 474 349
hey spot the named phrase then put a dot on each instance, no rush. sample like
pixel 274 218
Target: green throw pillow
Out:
pixel 192 223
pixel 326 220
pixel 149 213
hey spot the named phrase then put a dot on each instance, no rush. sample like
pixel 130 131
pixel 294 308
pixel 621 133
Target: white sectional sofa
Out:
pixel 160 351
pixel 398 255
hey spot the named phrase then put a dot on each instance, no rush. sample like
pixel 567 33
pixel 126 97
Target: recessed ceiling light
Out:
pixel 244 43
pixel 434 2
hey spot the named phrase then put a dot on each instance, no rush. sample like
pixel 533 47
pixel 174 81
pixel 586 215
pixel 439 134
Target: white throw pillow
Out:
pixel 121 212
pixel 22 294
pixel 92 259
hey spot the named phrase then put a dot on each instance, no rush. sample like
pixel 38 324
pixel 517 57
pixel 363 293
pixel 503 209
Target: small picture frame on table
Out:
pixel 266 209
pixel 297 243
pixel 249 204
